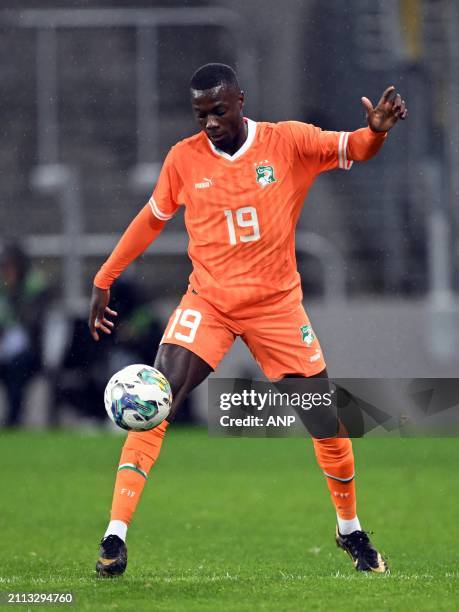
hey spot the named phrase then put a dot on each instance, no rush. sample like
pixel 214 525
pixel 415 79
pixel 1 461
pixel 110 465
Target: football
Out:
pixel 138 398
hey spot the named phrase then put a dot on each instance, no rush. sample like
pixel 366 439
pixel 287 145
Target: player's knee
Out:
pixel 171 368
pixel 183 369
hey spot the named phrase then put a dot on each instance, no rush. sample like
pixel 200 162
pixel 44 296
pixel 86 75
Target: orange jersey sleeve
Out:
pixel 326 150
pixel 167 195
pixel 363 144
pixel 144 228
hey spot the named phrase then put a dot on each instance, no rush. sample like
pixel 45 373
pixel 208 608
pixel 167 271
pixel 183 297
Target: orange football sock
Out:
pixel 139 453
pixel 336 459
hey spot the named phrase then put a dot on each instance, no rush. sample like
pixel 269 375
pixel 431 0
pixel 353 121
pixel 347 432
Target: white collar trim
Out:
pixel 251 131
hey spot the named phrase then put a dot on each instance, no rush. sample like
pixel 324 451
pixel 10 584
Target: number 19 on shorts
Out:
pixel 184 325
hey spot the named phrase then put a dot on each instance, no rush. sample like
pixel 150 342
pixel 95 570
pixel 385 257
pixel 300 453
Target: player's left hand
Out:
pixel 388 111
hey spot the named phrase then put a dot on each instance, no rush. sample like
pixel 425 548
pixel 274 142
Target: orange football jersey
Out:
pixel 241 210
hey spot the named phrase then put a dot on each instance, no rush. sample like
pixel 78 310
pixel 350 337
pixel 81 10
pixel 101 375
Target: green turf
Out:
pixel 230 524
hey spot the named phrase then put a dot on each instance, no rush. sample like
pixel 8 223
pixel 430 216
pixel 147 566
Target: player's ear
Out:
pixel 241 98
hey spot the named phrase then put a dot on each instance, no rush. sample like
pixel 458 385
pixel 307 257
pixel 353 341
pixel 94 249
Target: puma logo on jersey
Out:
pixel 207 182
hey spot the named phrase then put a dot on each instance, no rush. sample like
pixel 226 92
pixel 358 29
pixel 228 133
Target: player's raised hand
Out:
pixel 388 111
pixel 98 312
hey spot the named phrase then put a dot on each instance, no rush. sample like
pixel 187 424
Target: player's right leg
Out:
pixel 186 357
pixel 184 371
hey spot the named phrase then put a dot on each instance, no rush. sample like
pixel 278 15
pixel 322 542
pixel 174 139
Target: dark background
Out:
pixel 91 102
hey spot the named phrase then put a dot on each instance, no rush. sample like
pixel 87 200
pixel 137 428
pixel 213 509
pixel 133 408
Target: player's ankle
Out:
pixel 347 526
pixel 118 528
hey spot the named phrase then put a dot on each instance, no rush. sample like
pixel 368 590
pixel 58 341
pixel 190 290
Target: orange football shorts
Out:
pixel 282 341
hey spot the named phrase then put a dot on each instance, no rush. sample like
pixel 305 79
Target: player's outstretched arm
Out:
pixel 138 236
pixel 387 112
pixel 364 143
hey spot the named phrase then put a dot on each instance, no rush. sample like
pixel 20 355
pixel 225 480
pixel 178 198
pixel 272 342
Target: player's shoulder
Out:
pixel 189 145
pixel 295 127
pixel 286 130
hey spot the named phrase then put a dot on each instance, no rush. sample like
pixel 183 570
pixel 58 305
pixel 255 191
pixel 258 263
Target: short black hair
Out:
pixel 213 75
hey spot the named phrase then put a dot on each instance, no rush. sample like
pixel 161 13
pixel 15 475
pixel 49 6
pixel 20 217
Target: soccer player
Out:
pixel 243 184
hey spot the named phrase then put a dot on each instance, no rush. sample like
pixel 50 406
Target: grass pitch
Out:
pixel 229 524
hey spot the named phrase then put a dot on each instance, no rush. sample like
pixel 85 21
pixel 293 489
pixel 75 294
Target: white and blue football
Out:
pixel 138 398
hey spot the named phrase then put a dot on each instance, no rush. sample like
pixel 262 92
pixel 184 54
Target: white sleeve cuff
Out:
pixel 343 161
pixel 158 213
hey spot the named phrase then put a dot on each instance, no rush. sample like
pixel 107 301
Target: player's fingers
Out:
pixel 397 103
pixel 101 322
pixel 92 325
pixel 100 325
pixel 107 322
pixel 367 104
pixel 387 93
pixel 93 332
pixel 404 113
pixel 111 312
pixel 401 109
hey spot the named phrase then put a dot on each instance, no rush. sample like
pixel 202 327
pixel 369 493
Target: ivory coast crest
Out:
pixel 265 175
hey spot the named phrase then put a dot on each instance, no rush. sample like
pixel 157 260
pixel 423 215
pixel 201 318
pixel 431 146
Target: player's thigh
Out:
pixel 183 369
pixel 285 343
pixel 194 342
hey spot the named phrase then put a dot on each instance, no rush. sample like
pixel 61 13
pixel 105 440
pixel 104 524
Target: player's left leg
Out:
pixel 336 459
pixel 285 345
pixel 334 455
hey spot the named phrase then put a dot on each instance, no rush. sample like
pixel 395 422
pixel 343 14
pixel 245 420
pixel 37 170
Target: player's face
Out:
pixel 218 112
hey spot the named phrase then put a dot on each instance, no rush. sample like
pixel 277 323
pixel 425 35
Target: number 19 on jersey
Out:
pixel 245 217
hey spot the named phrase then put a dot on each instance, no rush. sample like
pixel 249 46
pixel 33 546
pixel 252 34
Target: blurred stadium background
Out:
pixel 93 95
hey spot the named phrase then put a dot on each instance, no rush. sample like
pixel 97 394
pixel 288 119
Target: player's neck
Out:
pixel 241 137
